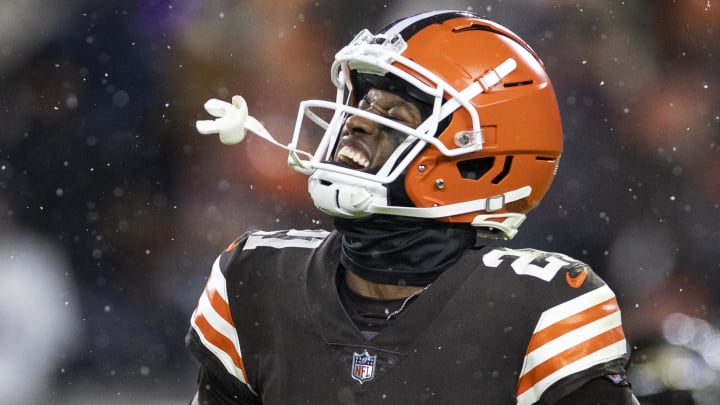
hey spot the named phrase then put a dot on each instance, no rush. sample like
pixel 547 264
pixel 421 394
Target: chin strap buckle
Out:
pixel 495 203
pixel 488 227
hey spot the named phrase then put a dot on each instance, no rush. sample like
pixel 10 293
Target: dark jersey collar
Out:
pixel 337 327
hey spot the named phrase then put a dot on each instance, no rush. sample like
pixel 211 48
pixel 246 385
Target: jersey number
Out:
pixel 527 262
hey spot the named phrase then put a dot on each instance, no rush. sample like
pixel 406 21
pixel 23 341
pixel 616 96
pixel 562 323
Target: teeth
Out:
pixel 355 156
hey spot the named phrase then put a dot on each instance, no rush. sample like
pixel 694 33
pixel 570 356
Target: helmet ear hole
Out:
pixel 505 170
pixel 473 169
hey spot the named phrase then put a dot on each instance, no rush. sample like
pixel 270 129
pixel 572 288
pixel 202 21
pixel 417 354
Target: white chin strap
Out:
pixel 332 196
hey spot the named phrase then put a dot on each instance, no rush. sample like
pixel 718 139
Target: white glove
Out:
pixel 232 122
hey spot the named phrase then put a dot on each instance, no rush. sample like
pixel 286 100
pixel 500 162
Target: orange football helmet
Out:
pixel 488 150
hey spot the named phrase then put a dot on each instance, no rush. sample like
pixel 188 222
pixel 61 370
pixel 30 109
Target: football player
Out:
pixel 444 133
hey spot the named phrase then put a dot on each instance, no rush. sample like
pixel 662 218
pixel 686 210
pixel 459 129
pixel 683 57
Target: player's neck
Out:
pixel 371 289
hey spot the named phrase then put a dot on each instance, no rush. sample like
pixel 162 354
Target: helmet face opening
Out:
pixel 490 136
pixel 363 82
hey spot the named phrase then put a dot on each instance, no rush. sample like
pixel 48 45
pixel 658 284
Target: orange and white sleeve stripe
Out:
pixel 214 325
pixel 569 338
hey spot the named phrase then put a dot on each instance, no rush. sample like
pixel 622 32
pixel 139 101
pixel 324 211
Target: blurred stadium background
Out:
pixel 112 207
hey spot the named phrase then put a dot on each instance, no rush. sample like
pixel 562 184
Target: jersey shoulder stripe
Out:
pixel 283 239
pixel 213 324
pixel 569 338
pixel 212 320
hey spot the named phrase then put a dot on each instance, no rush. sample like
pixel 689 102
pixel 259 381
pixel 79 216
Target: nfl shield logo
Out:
pixel 363 367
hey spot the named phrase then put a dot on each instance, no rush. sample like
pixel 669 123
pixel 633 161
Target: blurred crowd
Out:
pixel 112 207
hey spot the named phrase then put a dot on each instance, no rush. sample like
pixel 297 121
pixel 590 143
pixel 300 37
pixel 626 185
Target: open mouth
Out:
pixel 352 157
